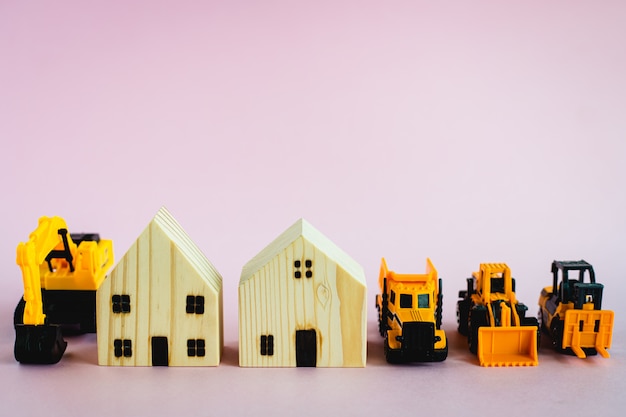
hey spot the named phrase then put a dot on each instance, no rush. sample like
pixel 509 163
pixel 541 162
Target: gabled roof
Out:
pixel 164 221
pixel 316 238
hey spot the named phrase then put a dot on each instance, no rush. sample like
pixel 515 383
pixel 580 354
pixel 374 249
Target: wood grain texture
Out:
pixel 158 272
pixel 272 301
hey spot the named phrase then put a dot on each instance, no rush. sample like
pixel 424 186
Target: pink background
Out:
pixel 464 131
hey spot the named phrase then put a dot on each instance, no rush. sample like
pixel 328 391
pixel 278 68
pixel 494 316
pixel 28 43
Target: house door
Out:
pixel 306 347
pixel 159 351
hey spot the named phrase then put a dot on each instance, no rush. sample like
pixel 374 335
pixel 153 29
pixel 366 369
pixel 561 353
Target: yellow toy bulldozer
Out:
pixel 494 322
pixel 61 274
pixel 571 311
pixel 409 316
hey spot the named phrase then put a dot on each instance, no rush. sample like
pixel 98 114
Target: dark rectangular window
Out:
pixel 122 347
pixel 392 298
pixel 423 301
pixel 267 345
pixel 196 347
pixel 406 301
pixel 195 304
pixel 120 303
pixel 497 285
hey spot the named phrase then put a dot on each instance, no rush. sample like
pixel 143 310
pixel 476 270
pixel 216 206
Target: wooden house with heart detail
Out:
pixel 162 303
pixel 302 302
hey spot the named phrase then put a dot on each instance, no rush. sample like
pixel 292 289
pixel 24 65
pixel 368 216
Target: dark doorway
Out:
pixel 159 351
pixel 306 348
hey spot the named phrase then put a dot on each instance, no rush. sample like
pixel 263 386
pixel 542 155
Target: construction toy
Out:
pixel 571 311
pixel 409 316
pixel 162 303
pixel 61 273
pixel 302 302
pixel 494 322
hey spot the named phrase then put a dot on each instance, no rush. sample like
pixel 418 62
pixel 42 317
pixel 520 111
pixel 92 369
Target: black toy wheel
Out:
pixel 439 355
pixel 557 334
pixel 462 316
pixel 381 325
pixel 477 319
pixel 392 355
pixel 542 326
pixel 472 339
pixel 18 315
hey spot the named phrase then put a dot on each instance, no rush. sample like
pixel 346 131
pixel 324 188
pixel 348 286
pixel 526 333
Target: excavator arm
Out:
pixel 50 232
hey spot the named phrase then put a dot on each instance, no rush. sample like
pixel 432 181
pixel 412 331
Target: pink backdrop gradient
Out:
pixel 464 131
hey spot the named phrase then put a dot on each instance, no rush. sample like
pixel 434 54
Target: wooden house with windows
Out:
pixel 162 303
pixel 302 302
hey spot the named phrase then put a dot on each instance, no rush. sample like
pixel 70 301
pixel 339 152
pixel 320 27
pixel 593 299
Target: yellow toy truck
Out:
pixel 409 316
pixel 571 311
pixel 494 322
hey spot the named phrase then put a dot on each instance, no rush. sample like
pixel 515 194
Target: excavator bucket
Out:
pixel 41 344
pixel 588 329
pixel 507 346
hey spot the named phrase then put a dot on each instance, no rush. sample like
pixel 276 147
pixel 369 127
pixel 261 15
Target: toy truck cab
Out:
pixel 409 308
pixel 570 310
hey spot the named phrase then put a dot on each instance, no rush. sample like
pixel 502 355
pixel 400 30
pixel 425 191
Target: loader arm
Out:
pixel 504 340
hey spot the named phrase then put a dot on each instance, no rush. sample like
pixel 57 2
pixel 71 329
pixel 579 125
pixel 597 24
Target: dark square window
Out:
pixel 297 273
pixel 406 301
pixel 122 347
pixel 423 301
pixel 267 345
pixel 120 303
pixel 196 347
pixel 497 285
pixel 195 304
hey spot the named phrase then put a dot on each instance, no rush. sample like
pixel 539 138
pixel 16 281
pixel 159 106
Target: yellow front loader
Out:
pixel 494 321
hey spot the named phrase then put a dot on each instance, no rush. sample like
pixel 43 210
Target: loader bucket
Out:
pixel 41 344
pixel 507 346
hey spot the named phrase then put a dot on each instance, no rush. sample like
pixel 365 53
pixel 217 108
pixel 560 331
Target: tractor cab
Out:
pixel 577 285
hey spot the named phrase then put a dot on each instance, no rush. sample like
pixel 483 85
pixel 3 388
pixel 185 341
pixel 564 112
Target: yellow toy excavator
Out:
pixel 61 274
pixel 494 321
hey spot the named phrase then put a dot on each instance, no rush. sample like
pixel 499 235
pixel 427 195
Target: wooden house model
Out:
pixel 162 303
pixel 302 302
